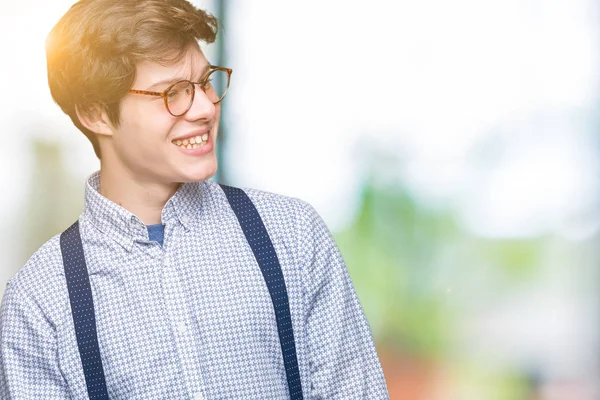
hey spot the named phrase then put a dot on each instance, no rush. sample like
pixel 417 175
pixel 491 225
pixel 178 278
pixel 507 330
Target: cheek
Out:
pixel 146 127
pixel 217 115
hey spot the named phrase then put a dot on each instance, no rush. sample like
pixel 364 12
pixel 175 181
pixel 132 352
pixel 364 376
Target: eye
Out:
pixel 183 88
pixel 172 93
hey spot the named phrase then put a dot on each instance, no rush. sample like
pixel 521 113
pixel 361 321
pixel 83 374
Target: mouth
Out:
pixel 194 142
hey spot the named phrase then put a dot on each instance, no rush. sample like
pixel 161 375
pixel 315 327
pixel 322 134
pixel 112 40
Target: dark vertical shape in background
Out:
pixel 221 175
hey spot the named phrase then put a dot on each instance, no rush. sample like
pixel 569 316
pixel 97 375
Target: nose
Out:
pixel 202 108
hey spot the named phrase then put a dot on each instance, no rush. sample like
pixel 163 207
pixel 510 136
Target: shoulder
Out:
pixel 289 219
pixel 274 208
pixel 41 279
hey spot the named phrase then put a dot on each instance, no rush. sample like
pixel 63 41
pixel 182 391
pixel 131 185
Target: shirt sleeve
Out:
pixel 28 350
pixel 343 360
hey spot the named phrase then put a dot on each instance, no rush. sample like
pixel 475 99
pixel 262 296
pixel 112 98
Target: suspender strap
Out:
pixel 263 250
pixel 82 308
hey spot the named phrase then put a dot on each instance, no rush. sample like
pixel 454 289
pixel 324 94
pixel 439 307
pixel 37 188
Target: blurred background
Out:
pixel 451 147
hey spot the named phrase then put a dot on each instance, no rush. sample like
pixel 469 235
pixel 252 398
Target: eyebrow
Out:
pixel 173 80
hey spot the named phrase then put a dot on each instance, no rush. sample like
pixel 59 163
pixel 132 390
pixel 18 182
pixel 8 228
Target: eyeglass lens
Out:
pixel 181 95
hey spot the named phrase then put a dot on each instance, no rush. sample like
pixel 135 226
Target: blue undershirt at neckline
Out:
pixel 156 233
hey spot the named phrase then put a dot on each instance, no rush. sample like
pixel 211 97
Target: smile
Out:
pixel 192 143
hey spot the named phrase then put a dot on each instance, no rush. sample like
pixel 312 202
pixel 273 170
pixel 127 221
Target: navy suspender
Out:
pixel 82 306
pixel 263 250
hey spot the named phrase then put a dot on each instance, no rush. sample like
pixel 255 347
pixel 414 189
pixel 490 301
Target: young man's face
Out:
pixel 143 145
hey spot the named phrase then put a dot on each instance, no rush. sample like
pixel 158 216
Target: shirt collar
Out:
pixel 124 226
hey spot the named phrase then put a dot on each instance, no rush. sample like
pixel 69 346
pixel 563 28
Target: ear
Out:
pixel 95 119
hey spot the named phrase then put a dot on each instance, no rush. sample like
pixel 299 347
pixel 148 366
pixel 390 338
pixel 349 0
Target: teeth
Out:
pixel 192 143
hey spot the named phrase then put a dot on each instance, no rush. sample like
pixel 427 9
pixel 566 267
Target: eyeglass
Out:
pixel 180 95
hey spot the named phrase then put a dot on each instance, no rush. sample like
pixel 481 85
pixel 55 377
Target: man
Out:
pixel 167 294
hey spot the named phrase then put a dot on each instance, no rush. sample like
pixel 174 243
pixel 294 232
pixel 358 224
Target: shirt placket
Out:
pixel 181 326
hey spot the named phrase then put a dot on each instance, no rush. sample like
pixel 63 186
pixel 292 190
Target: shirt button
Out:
pixel 166 261
pixel 185 219
pixel 199 396
pixel 181 327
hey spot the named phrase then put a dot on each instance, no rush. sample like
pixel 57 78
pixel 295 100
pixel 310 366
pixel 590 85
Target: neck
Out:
pixel 144 199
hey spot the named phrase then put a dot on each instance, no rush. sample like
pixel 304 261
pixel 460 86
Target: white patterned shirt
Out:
pixel 192 319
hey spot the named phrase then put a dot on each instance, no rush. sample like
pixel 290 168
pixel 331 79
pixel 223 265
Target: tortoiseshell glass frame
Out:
pixel 201 83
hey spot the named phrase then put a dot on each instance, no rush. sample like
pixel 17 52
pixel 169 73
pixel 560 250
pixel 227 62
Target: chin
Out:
pixel 201 173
